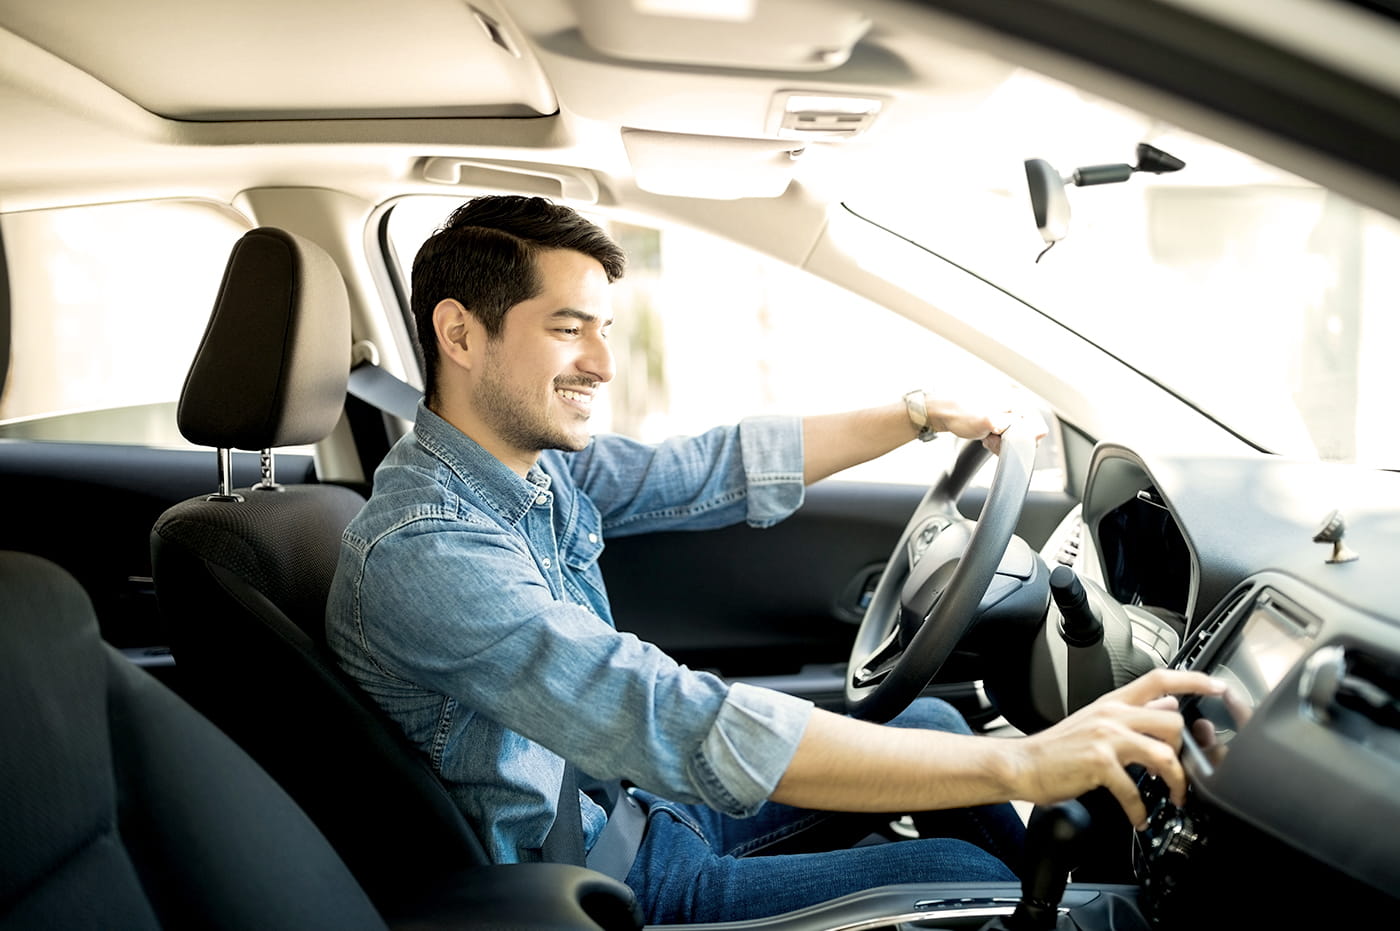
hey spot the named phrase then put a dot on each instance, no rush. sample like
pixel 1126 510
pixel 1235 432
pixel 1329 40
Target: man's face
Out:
pixel 541 373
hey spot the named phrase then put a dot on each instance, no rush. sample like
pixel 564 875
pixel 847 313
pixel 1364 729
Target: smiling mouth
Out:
pixel 576 397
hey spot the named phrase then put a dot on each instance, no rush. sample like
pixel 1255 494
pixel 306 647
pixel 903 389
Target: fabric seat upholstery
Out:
pixel 123 807
pixel 242 584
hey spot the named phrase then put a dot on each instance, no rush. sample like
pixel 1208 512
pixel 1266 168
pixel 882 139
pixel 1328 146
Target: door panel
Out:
pixel 779 605
pixel 90 507
pixel 783 601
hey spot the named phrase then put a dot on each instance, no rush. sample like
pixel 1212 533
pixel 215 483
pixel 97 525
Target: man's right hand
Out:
pixel 1138 723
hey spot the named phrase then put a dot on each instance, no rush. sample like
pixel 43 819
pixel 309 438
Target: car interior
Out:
pixel 1169 227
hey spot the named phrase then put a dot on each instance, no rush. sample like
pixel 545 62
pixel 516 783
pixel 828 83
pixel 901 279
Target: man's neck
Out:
pixel 461 417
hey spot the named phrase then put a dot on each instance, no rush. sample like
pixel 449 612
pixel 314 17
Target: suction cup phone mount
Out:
pixel 1047 186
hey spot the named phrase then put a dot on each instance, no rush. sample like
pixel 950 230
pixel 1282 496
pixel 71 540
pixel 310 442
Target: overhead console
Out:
pixel 793 70
pixel 736 33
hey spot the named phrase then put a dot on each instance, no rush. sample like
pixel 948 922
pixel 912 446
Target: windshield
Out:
pixel 1269 303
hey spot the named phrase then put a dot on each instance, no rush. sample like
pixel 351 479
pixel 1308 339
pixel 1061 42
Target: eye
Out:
pixel 569 330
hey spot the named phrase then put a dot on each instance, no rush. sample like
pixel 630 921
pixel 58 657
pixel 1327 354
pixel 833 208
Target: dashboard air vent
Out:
pixel 1200 639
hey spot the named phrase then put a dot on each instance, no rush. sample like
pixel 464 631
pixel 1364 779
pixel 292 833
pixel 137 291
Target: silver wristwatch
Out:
pixel 918 414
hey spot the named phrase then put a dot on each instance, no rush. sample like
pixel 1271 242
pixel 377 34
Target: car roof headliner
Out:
pixel 106 101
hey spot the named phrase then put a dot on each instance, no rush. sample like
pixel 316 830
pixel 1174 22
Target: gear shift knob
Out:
pixel 1054 836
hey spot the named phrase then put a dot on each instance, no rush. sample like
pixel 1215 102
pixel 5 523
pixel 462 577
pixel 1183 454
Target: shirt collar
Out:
pixel 498 487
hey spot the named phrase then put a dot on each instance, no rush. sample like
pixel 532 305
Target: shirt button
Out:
pixel 592 538
pixel 546 562
pixel 542 499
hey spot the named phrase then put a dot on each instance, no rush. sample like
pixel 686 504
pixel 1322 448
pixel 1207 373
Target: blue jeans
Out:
pixel 697 865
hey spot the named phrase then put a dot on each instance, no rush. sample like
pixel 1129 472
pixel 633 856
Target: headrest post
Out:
pixel 226 492
pixel 269 481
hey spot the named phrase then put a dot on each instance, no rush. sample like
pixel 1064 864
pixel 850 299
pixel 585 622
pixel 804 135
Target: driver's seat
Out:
pixel 242 576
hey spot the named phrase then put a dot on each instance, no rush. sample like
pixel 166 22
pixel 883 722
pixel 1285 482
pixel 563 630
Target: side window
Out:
pixel 108 304
pixel 708 332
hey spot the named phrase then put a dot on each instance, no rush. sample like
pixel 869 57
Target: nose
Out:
pixel 597 359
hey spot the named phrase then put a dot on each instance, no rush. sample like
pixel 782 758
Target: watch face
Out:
pixel 918 414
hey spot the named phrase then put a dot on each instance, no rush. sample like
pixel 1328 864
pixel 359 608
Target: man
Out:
pixel 468 602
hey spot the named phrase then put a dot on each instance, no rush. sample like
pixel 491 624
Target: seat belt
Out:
pixel 384 391
pixel 616 847
pixel 564 842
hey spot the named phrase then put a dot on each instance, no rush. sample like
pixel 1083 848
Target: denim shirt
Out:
pixel 468 602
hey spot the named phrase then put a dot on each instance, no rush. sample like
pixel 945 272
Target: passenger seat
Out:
pixel 121 807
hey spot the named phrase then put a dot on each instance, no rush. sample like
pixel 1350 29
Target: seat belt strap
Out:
pixel 387 392
pixel 617 845
pixel 564 842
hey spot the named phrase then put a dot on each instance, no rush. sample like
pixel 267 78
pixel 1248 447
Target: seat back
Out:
pixel 242 577
pixel 120 807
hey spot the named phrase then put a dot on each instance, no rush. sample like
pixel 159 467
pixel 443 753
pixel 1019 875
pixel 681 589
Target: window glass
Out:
pixel 707 332
pixel 108 304
pixel 1263 299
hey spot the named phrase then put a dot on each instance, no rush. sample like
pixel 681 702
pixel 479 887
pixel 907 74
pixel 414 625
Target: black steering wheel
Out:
pixel 936 580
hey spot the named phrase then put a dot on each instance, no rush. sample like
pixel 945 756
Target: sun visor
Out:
pixel 781 35
pixel 715 167
pixel 408 59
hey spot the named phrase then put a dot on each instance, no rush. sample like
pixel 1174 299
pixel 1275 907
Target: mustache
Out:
pixel 576 381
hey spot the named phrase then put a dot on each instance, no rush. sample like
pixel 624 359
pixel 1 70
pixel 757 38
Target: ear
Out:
pixel 456 334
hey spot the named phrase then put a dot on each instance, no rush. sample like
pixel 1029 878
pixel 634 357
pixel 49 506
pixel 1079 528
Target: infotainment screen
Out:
pixel 1257 655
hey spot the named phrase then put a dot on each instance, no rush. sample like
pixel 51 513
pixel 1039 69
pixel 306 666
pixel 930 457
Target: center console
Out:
pixel 1286 784
pixel 1042 902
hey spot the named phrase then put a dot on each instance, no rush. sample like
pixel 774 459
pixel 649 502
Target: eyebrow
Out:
pixel 570 313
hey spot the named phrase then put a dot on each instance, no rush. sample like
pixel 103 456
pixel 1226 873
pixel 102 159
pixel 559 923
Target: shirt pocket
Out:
pixel 583 543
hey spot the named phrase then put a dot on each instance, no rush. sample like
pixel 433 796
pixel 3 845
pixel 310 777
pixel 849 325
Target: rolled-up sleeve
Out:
pixel 748 748
pixel 772 455
pixel 751 472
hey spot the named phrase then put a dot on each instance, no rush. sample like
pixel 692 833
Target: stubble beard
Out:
pixel 520 425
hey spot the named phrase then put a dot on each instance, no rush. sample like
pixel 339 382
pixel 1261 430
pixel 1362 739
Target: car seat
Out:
pixel 242 575
pixel 122 807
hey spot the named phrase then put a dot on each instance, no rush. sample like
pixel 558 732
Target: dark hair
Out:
pixel 484 257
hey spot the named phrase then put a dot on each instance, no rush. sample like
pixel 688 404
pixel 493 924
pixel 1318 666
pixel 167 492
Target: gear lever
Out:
pixel 1054 835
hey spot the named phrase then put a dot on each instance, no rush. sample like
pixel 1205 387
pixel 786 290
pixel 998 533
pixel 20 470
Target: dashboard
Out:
pixel 1295 772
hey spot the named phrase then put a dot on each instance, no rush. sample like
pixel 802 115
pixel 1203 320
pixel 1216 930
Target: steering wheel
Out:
pixel 936 580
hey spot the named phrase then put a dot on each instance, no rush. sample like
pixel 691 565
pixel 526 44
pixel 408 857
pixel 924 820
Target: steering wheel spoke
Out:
pixel 938 573
pixel 880 662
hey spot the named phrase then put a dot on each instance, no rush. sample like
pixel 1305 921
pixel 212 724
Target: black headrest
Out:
pixel 273 364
